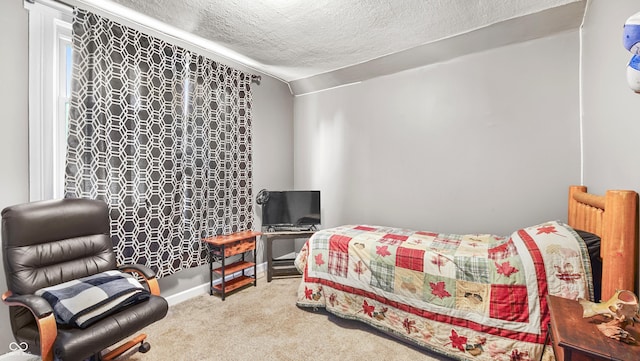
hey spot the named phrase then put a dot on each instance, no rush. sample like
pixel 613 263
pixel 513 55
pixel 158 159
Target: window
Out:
pixel 49 94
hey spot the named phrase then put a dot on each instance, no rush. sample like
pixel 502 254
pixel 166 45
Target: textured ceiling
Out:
pixel 298 39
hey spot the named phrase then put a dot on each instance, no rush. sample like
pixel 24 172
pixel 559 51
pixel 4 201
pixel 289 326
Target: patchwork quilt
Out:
pixel 84 301
pixel 470 297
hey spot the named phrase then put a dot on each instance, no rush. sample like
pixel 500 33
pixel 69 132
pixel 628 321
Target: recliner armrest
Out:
pixel 38 306
pixel 143 270
pixel 147 273
pixel 43 313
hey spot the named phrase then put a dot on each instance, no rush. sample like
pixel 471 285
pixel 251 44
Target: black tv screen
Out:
pixel 291 209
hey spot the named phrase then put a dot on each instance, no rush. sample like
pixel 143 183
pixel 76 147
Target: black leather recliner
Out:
pixel 50 242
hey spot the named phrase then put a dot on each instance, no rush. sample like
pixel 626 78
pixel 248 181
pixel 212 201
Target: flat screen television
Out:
pixel 291 209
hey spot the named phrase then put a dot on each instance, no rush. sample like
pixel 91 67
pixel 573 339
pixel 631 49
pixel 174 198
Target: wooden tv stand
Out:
pixel 282 267
pixel 221 247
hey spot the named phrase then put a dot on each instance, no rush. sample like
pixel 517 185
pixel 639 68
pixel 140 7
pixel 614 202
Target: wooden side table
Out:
pixel 575 338
pixel 282 267
pixel 221 247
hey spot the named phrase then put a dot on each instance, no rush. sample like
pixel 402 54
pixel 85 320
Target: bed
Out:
pixel 478 297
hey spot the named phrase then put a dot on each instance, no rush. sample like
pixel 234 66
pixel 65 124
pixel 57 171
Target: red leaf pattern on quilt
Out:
pixel 495 351
pixel 382 251
pixel 409 325
pixel 506 269
pixel 457 341
pixel 359 268
pixel 319 260
pixel 439 260
pixel 516 355
pixel 333 298
pixel 368 309
pixel 438 289
pixel 308 292
pixel 547 229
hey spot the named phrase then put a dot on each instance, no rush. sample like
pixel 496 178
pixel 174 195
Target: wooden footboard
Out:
pixel 613 217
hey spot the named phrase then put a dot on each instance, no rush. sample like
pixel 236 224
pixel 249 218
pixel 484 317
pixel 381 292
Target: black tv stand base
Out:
pixel 282 267
pixel 280 229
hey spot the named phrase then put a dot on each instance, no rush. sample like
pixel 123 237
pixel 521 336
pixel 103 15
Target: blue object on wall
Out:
pixel 631 34
pixel 631 42
pixel 633 73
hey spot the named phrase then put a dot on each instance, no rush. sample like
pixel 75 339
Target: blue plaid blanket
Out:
pixel 84 301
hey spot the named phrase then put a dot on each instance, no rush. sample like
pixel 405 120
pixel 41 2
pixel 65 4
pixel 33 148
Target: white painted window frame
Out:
pixel 49 32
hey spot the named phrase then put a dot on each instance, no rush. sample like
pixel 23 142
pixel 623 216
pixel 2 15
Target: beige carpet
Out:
pixel 263 323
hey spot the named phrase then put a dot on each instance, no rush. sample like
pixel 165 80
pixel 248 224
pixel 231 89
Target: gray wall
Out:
pixel 611 119
pixel 14 150
pixel 487 142
pixel 611 110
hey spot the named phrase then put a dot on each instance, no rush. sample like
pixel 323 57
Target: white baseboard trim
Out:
pixel 204 288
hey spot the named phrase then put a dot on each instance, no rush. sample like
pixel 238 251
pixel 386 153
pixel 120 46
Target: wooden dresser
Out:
pixel 575 338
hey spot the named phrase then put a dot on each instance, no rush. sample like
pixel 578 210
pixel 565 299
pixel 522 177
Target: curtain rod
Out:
pixel 62 6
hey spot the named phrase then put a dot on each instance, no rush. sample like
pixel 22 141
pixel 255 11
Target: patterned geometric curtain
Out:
pixel 163 136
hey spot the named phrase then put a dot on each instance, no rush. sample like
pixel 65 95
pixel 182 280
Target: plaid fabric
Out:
pixel 320 243
pixel 86 300
pixel 509 303
pixel 382 275
pixel 474 269
pixel 445 243
pixel 338 263
pixel 410 258
pixel 339 243
pixel 430 234
pixel 505 250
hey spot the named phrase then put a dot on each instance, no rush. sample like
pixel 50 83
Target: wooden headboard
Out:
pixel 613 217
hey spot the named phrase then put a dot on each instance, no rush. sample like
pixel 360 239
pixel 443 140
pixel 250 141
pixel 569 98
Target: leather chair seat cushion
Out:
pixel 79 344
